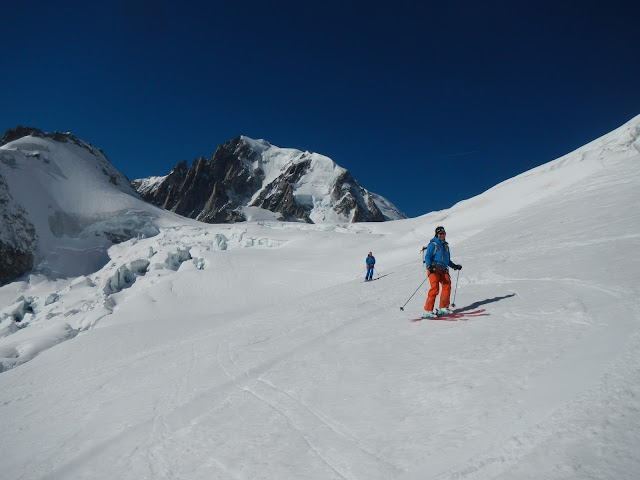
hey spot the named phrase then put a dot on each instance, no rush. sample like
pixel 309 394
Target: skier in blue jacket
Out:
pixel 370 263
pixel 438 260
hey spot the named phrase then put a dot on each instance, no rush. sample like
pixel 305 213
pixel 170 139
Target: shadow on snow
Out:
pixel 475 305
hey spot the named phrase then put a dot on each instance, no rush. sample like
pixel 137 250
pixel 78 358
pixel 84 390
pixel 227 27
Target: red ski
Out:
pixel 455 316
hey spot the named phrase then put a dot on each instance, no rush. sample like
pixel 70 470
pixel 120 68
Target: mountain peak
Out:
pixel 249 179
pixel 260 145
pixel 18 132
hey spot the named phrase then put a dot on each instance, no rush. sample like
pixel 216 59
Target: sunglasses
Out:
pixel 442 233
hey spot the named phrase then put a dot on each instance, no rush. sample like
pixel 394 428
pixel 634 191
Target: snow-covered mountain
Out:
pixel 250 179
pixel 255 350
pixel 62 204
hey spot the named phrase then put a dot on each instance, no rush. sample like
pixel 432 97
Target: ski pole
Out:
pixel 453 304
pixel 405 304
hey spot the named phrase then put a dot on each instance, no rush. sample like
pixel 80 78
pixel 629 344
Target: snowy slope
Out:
pixel 256 351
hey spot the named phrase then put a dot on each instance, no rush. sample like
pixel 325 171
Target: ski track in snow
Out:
pixel 323 435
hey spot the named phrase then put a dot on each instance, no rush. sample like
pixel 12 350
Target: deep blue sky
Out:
pixel 426 103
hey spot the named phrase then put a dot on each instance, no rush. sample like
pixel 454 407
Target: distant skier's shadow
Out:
pixel 381 276
pixel 473 306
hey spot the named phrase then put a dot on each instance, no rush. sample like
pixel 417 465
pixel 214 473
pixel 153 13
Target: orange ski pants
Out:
pixel 438 277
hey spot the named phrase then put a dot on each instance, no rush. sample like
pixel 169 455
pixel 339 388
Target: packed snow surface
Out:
pixel 256 351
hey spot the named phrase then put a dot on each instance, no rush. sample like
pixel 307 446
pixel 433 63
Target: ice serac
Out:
pixel 245 174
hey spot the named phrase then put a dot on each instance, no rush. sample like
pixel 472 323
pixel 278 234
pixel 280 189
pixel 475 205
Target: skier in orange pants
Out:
pixel 438 261
pixel 436 278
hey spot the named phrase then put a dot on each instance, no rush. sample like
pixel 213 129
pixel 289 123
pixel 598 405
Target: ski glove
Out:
pixel 457 267
pixel 431 268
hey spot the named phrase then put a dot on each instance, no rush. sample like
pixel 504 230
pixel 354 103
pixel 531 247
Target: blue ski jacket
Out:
pixel 438 254
pixel 370 261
